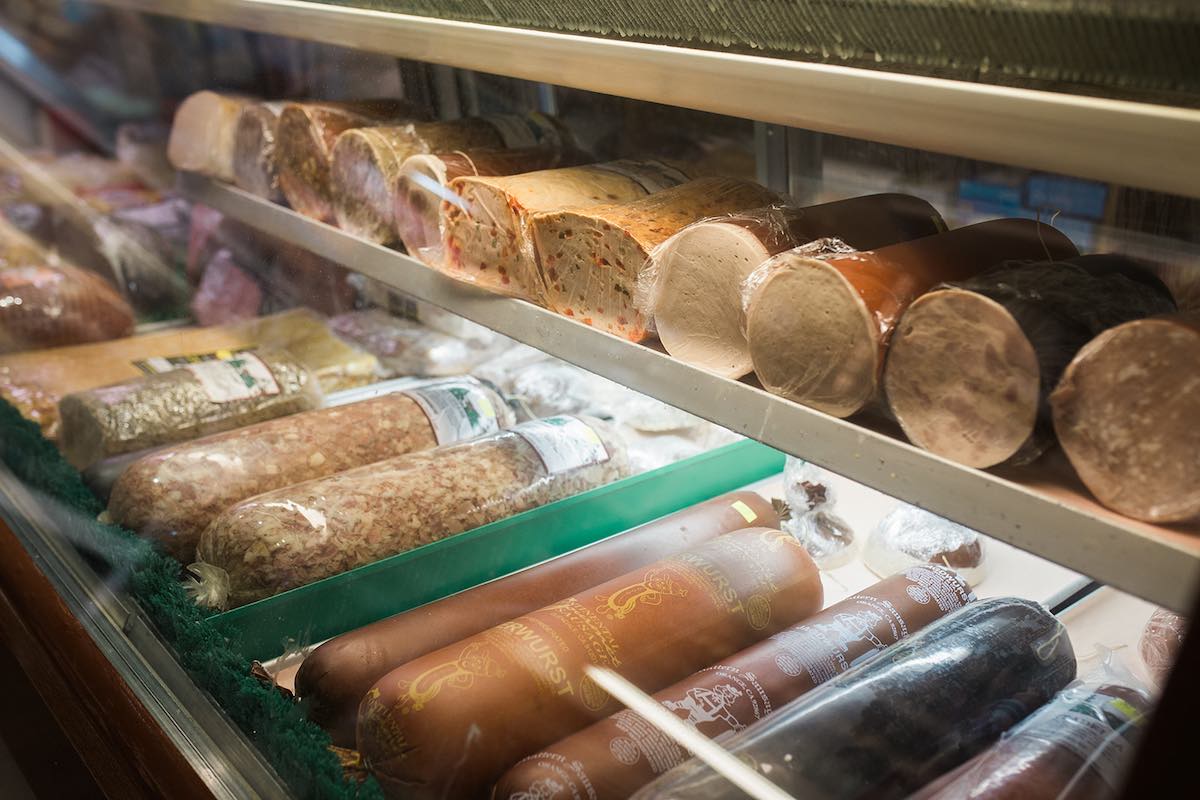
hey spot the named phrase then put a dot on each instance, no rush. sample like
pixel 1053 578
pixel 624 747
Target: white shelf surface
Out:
pixel 1133 144
pixel 1043 510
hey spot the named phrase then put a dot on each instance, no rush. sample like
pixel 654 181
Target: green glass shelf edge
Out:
pixel 308 614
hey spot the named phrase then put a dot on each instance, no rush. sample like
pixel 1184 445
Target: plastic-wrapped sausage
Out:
pixel 294 536
pixel 203 131
pixel 254 167
pixel 450 723
pixel 334 677
pixel 886 728
pixel 170 496
pixel 1160 643
pixel 227 391
pixel 53 305
pixel 617 756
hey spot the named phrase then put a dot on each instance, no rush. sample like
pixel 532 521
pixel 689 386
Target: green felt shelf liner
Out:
pixel 312 613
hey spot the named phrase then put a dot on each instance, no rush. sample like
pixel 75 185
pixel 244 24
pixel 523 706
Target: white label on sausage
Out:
pixel 240 377
pixel 457 411
pixel 563 443
pixel 653 176
pixel 1095 727
pixel 158 364
pixel 514 129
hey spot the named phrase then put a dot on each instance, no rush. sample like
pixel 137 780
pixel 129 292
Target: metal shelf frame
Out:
pixel 1044 515
pixel 1131 144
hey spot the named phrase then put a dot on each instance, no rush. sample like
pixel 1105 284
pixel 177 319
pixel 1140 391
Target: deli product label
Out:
pixel 563 443
pixel 457 411
pixel 653 176
pixel 159 364
pixel 1096 727
pixel 239 377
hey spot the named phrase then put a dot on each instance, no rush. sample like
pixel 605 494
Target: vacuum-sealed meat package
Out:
pixel 428 733
pixel 886 728
pixel 54 305
pixel 170 496
pixel 300 534
pixel 615 757
pixel 408 347
pixel 197 399
pixel 1160 643
pixel 911 535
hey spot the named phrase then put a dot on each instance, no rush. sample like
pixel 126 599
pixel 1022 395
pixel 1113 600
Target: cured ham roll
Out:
pixel 422 186
pixel 254 167
pixel 971 364
pixel 591 258
pixel 486 228
pixel 818 324
pixel 1125 412
pixel 304 139
pixel 692 288
pixel 367 161
pixel 203 133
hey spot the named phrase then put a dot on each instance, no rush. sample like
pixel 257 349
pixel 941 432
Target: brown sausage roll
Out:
pixel 971 365
pixel 692 288
pixel 450 723
pixel 186 403
pixel 170 496
pixel 818 326
pixel 591 258
pixel 334 677
pixel 304 139
pixel 1160 643
pixel 300 534
pixel 254 166
pixel 52 305
pixel 615 757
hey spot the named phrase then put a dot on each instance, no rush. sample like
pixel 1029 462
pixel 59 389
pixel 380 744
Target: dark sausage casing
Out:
pixel 450 723
pixel 615 757
pixel 335 676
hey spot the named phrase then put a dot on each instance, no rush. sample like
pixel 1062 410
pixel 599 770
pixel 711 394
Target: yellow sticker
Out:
pixel 224 355
pixel 746 511
pixel 1124 707
pixel 485 406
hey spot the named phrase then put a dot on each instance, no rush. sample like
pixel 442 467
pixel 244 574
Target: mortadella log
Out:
pixel 423 183
pixel 887 727
pixel 254 165
pixel 486 236
pixel 304 139
pixel 203 133
pixel 615 757
pixel 693 286
pixel 450 723
pixel 1125 413
pixel 334 678
pixel 971 365
pixel 170 495
pixel 818 326
pixel 591 258
pixel 366 162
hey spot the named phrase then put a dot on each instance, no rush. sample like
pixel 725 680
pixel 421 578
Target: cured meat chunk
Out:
pixel 254 166
pixel 591 258
pixel 819 324
pixel 203 134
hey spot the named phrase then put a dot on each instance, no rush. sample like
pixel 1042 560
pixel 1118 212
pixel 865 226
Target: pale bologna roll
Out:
pixel 367 161
pixel 615 757
pixel 203 133
pixel 971 364
pixel 591 258
pixel 452 722
pixel 692 286
pixel 169 497
pixel 423 181
pixel 1125 412
pixel 818 324
pixel 304 139
pixel 334 677
pixel 486 236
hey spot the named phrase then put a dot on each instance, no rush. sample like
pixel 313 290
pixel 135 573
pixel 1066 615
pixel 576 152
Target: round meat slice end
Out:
pixel 813 339
pixel 698 313
pixel 962 378
pixel 254 148
pixel 1126 413
pixel 419 193
pixel 303 163
pixel 362 196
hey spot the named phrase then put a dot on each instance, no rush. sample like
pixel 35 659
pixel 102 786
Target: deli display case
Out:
pixel 595 400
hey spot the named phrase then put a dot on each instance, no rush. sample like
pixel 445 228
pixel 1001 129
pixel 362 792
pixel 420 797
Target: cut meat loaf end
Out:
pixel 590 259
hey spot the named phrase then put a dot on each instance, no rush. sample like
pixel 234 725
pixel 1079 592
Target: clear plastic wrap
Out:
pixel 254 167
pixel 911 535
pixel 591 259
pixel 486 221
pixel 972 364
pixel 227 293
pixel 812 518
pixel 307 336
pixel 818 325
pixel 406 347
pixel 302 533
pixel 398 304
pixel 170 496
pixel 691 285
pixel 203 133
pixel 885 728
pixel 1076 747
pixel 205 396
pixel 1160 643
